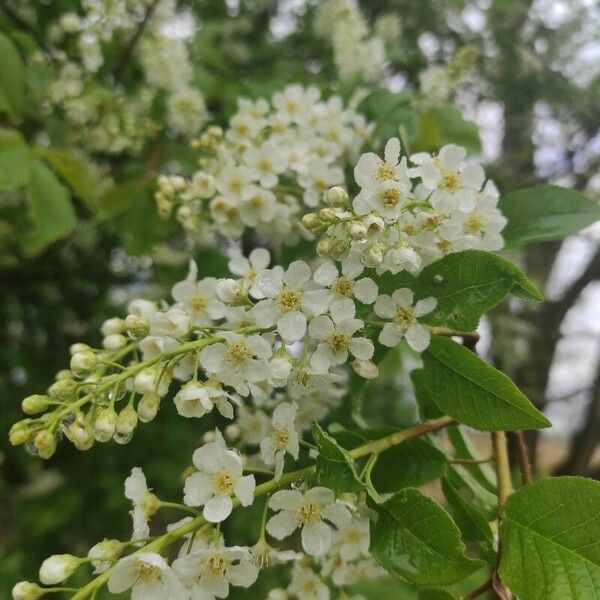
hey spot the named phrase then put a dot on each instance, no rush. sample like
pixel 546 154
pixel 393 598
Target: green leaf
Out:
pixel 51 209
pixel 473 392
pixel 412 463
pixel 466 285
pixel 77 172
pixel 12 77
pixel 445 125
pixel 416 538
pixel 427 407
pixel 336 469
pixel 435 594
pixel 473 525
pixel 15 160
pixel 551 540
pixel 547 212
pixel 119 198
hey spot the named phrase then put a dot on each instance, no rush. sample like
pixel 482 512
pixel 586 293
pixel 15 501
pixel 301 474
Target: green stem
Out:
pixel 178 506
pixel 373 447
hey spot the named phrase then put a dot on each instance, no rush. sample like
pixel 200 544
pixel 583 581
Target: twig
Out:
pixel 522 457
pixel 470 461
pixel 484 587
pixel 128 51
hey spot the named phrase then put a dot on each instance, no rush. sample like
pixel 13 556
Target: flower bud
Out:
pixel 80 434
pixel 148 407
pixel 64 374
pixel 45 443
pixel 104 553
pixel 311 221
pixel 327 215
pixel 324 246
pixel 336 196
pixel 138 326
pixel 19 433
pixel 339 249
pixel 232 292
pixel 25 590
pixel 83 362
pixel 357 231
pixel 127 421
pixel 63 389
pixel 115 341
pixel 34 404
pixel 208 437
pixel 232 432
pixel 79 347
pixel 105 424
pixel 57 568
pixel 365 368
pixel 112 326
pixel 373 257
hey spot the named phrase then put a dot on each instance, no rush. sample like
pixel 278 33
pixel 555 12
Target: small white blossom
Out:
pixel 309 511
pixel 219 477
pixel 399 308
pixel 144 502
pixel 282 438
pixel 148 576
pixel 307 585
pixel 196 399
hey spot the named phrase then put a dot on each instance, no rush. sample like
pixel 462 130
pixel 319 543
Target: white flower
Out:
pixel 370 170
pixel 307 585
pixel 292 103
pixel 265 163
pixel 308 511
pixel 336 337
pixel 283 438
pixel 317 179
pixel 240 361
pixel 264 555
pixel 248 268
pixel 399 307
pixel 196 399
pixel 149 577
pixel 219 477
pixel 233 182
pixel 209 572
pixel 57 568
pixel 386 198
pixel 153 345
pixel 352 541
pixel 259 206
pixel 186 111
pixel 198 298
pixel 288 300
pixel 454 182
pixel 145 503
pixel 254 425
pixel 344 285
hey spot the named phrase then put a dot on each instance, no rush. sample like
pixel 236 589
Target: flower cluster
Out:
pixel 406 216
pixel 107 119
pixel 355 50
pixel 274 158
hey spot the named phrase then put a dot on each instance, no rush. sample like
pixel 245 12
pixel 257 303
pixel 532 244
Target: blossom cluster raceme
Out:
pixel 108 119
pixel 409 213
pixel 273 160
pixel 267 349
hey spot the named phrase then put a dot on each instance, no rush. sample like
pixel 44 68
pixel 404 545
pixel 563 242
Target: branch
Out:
pixel 374 447
pixel 522 457
pixel 128 51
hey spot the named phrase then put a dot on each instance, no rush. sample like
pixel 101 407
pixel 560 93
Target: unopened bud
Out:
pixel 104 553
pixel 365 368
pixel 127 421
pixel 112 326
pixel 324 246
pixel 336 196
pixel 137 326
pixel 64 374
pixel 311 221
pixel 57 568
pixel 208 437
pixel 148 407
pixel 83 362
pixel 105 425
pixel 327 215
pixel 357 231
pixel 79 347
pixel 232 432
pixel 19 433
pixel 45 444
pixel 114 341
pixel 373 257
pixel 25 590
pixel 34 404
pixel 339 249
pixel 80 434
pixel 63 389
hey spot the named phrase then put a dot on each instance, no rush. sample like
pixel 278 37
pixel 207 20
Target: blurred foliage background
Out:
pixel 533 88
